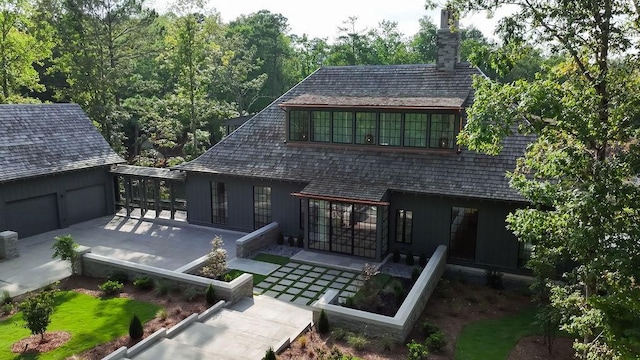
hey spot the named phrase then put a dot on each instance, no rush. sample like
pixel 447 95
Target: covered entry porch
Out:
pixel 356 225
pixel 143 191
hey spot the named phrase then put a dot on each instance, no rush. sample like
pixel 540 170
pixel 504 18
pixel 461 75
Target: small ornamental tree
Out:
pixel 65 248
pixel 135 328
pixel 323 323
pixel 210 295
pixel 217 260
pixel 37 310
pixel 269 355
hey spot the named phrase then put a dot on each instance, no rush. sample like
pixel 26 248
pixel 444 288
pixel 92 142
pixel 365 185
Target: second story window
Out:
pixel 390 127
pixel 299 125
pixel 343 127
pixel 365 128
pixel 415 130
pixel 442 131
pixel 321 126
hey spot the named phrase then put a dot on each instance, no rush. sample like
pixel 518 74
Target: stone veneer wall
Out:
pixel 252 242
pixel 397 327
pixel 9 245
pixel 101 267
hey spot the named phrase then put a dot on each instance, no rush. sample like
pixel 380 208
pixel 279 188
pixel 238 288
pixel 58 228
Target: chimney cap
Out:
pixel 446 16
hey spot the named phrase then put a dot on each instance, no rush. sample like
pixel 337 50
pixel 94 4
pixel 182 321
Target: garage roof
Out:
pixel 44 139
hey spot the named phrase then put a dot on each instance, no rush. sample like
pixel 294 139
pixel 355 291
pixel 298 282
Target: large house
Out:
pixel 54 168
pixel 363 160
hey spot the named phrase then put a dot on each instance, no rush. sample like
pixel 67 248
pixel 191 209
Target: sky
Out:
pixel 321 19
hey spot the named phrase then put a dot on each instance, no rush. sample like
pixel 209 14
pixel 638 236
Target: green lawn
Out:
pixel 273 259
pixel 257 278
pixel 495 338
pixel 91 321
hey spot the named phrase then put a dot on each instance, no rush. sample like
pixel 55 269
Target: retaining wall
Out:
pixel 396 327
pixel 101 267
pixel 252 242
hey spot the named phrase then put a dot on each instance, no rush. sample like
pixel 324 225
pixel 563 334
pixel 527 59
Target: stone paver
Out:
pixel 313 274
pixel 285 297
pixel 278 288
pixel 293 291
pixel 315 287
pixel 285 282
pixel 300 285
pixel 301 300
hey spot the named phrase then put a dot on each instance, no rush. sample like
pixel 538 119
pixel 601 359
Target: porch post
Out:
pixel 127 194
pixel 172 200
pixel 156 200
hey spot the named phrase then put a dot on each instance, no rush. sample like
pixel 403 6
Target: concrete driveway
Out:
pixel 162 243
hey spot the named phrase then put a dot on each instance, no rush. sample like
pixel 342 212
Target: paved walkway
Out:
pixel 303 283
pixel 162 243
pixel 243 331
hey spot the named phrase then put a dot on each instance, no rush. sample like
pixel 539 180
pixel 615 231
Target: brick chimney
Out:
pixel 447 43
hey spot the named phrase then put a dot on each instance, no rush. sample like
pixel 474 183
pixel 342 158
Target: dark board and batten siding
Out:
pixel 495 245
pixel 35 205
pixel 285 209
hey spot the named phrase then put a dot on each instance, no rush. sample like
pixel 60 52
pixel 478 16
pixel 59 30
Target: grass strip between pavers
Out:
pixel 493 339
pixel 90 321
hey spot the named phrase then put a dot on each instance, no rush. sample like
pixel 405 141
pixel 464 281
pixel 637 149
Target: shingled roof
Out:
pixel 259 149
pixel 44 139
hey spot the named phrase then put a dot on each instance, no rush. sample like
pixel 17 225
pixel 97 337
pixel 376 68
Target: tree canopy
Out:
pixel 580 172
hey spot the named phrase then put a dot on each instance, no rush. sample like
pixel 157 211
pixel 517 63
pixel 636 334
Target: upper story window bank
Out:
pixel 416 123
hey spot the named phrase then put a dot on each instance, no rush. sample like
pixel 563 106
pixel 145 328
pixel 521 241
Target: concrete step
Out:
pixel 274 310
pixel 239 322
pixel 168 349
pixel 224 341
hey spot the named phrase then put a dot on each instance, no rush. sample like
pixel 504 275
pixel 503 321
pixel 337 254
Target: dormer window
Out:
pixel 417 123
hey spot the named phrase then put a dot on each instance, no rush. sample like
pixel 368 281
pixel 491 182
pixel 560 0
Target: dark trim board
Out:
pixel 35 205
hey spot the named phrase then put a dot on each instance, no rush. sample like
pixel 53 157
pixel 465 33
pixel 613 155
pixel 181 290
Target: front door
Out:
pixel 464 230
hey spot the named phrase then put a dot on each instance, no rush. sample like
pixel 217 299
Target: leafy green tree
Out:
pixel 266 32
pixel 580 171
pixel 309 55
pixel 65 248
pixel 37 310
pixel 423 43
pixel 388 45
pixel 25 42
pixel 352 46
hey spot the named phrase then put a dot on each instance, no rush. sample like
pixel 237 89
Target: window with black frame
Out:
pixel 218 203
pixel 299 125
pixel 390 127
pixel 321 126
pixel 342 127
pixel 404 226
pixel 261 206
pixel 366 128
pixel 441 133
pixel 415 130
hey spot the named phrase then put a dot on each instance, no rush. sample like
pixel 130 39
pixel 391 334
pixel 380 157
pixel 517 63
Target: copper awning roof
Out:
pixel 345 191
pixel 420 103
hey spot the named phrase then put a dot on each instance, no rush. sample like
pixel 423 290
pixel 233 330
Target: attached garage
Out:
pixel 54 168
pixel 86 203
pixel 32 216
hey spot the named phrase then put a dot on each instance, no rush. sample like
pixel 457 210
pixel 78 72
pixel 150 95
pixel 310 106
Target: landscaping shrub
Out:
pixel 323 323
pixel 135 328
pixel 339 333
pixel 300 242
pixel 210 294
pixel 119 276
pixel 111 287
pixel 216 260
pixel 190 294
pixel 6 309
pixel 280 239
pixel 435 342
pixel 162 314
pixel 6 297
pixel 409 259
pixel 51 286
pixel 357 341
pixel 269 355
pixel 302 341
pixel 65 248
pixel 37 310
pixel 143 283
pixel 423 260
pixel 398 290
pixel 396 256
pixel 428 328
pixel 162 288
pixel 386 343
pixel 415 274
pixel 417 351
pixel 494 279
pixel 228 278
pixel 291 241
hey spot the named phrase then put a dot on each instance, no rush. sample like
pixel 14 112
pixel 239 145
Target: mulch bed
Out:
pixel 35 344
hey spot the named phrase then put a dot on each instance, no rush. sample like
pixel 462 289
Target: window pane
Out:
pixel 442 129
pixel 343 127
pixel 218 203
pixel 261 206
pixel 404 226
pixel 320 126
pixel 319 224
pixel 415 130
pixel 365 128
pixel 390 125
pixel 464 228
pixel 298 125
